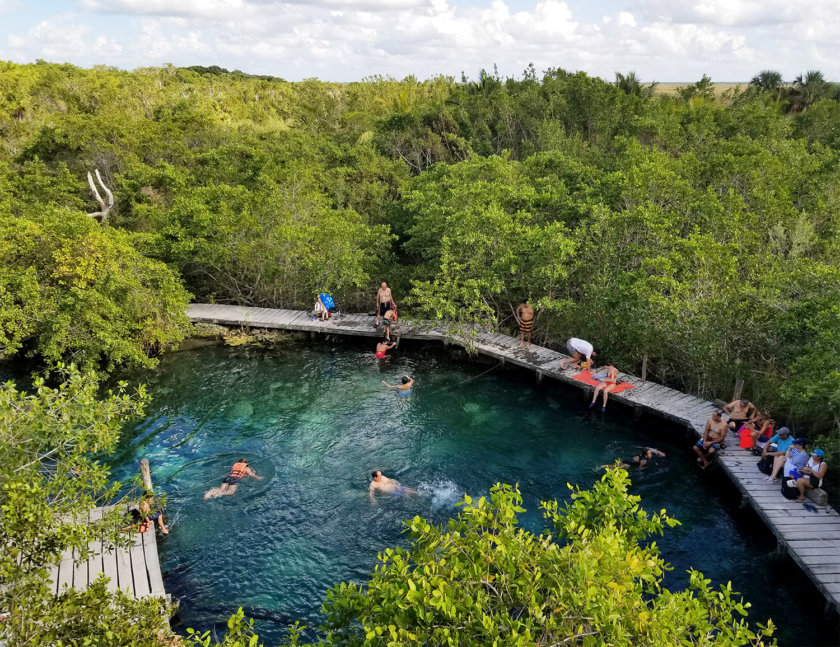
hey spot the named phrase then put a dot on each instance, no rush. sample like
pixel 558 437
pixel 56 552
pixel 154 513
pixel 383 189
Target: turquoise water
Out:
pixel 314 420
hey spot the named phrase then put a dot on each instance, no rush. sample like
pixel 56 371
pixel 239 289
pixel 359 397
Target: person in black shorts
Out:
pixel 239 471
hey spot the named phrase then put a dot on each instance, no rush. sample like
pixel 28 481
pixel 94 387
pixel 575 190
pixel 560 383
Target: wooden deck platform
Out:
pixel 811 539
pixel 135 570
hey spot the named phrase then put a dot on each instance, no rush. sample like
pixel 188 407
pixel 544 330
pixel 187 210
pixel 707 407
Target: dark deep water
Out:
pixel 315 419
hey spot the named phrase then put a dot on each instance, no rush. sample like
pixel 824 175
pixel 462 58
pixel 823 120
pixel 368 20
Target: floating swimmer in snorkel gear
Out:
pixel 238 472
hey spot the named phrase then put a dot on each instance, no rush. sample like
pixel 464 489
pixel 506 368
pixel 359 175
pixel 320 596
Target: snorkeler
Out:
pixel 239 471
pixel 639 460
pixel 403 389
pixel 385 485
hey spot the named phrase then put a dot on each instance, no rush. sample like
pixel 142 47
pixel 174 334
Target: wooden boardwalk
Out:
pixel 135 570
pixel 811 539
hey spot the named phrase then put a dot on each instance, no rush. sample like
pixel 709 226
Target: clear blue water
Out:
pixel 315 420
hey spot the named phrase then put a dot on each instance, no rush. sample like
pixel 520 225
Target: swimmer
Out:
pixel 403 389
pixel 239 471
pixel 641 459
pixel 385 485
pixel 383 347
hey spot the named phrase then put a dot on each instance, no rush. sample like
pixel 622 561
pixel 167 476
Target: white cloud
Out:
pixel 352 39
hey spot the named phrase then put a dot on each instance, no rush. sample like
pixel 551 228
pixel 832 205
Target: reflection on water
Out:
pixel 314 421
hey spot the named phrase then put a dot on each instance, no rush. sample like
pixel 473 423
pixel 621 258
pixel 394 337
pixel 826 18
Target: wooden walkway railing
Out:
pixel 811 539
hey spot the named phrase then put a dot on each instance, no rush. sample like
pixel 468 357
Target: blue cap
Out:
pixel 800 441
pixel 818 452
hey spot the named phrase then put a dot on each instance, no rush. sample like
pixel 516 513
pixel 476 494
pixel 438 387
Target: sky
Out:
pixel 346 40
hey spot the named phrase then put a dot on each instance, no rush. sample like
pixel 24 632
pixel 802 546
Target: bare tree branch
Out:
pixel 102 214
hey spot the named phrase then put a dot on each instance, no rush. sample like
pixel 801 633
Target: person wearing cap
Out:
pixel 778 443
pixel 713 436
pixel 796 457
pixel 780 460
pixel 812 473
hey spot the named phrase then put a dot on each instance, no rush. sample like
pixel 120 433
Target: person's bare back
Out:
pixel 385 485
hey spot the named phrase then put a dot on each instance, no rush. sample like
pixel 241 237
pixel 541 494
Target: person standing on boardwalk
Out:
pixel 238 472
pixel 384 301
pixel 524 314
pixel 713 436
pixel 578 349
pixel 607 384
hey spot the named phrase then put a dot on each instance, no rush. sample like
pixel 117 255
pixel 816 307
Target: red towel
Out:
pixel 586 378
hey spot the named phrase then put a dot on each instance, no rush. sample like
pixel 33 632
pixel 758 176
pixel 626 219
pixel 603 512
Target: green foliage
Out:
pixel 481 579
pixel 49 482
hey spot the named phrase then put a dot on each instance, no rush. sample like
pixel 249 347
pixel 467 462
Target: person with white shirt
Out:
pixel 578 349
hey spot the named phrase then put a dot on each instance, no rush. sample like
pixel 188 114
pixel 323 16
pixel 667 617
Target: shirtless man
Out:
pixel 713 436
pixel 384 301
pixel 739 412
pixel 404 388
pixel 385 485
pixel 525 318
pixel 238 472
pixel 640 460
pixel 389 319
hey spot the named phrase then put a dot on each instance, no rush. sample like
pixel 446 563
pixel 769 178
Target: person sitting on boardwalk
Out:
pixel 389 319
pixel 739 412
pixel 383 347
pixel 608 383
pixel 238 472
pixel 384 301
pixel 713 439
pixel 404 388
pixel 776 448
pixel 579 349
pixel 143 519
pixel 794 458
pixel 324 306
pixel 812 474
pixel 524 314
pixel 383 484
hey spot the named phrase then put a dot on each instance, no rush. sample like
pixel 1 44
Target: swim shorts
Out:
pixel 526 325
pixel 232 480
pixel 715 445
pixel 399 490
pixel 404 393
pixel 383 308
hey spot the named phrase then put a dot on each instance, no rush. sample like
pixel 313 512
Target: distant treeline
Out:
pixel 701 231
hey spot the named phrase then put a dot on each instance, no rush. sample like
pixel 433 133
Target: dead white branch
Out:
pixel 102 214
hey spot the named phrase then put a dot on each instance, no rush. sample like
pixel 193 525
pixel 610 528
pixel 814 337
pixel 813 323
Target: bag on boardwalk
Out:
pixel 765 465
pixel 789 489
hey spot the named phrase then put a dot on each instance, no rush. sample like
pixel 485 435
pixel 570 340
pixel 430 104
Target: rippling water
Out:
pixel 314 420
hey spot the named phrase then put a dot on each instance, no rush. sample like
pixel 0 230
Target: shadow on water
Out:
pixel 315 419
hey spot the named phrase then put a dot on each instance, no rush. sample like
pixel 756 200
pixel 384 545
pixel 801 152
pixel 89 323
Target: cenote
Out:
pixel 314 419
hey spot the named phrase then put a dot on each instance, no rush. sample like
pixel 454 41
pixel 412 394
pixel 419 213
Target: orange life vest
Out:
pixel 239 470
pixel 145 525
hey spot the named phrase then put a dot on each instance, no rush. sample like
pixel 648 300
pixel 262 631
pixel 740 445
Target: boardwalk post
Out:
pixel 644 368
pixel 540 377
pixel 146 473
pixel 739 388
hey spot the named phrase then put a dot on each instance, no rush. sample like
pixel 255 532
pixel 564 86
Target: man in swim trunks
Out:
pixel 713 436
pixel 607 384
pixel 578 349
pixel 239 471
pixel 383 484
pixel 525 317
pixel 389 319
pixel 384 301
pixel 383 347
pixel 404 388
pixel 739 413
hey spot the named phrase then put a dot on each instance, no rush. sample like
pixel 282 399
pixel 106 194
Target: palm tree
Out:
pixel 807 90
pixel 630 84
pixel 768 81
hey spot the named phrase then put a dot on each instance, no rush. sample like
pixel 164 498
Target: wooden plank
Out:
pixel 66 570
pixel 95 561
pixel 138 566
pixel 153 563
pixel 125 576
pixel 109 568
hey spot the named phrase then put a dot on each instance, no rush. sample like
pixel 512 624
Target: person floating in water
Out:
pixel 383 484
pixel 383 347
pixel 525 318
pixel 239 471
pixel 608 383
pixel 404 388
pixel 640 460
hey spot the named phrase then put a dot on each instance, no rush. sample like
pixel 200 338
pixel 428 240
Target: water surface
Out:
pixel 314 420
